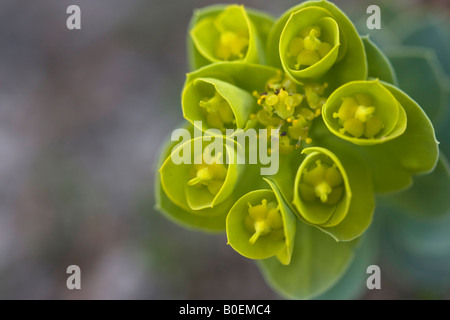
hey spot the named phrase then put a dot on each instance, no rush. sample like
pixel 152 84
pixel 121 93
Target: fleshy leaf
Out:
pixel 418 250
pixel 378 64
pixel 351 62
pixel 420 76
pixel 318 262
pixel 353 283
pixel 257 226
pixel 428 196
pixel 430 33
pixel 364 113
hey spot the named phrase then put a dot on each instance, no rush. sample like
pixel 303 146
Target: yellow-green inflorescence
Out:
pixel 218 112
pixel 357 117
pixel 264 220
pixel 234 38
pixel 290 108
pixel 211 176
pixel 322 182
pixel 232 45
pixel 307 48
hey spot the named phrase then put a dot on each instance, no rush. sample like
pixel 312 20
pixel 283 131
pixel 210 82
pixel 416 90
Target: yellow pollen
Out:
pixel 264 220
pixel 307 48
pixel 357 117
pixel 322 182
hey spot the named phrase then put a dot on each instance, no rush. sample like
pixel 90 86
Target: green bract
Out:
pixel 379 66
pixel 327 107
pixel 261 225
pixel 227 33
pixel 334 193
pixel 365 113
pixel 317 263
pixel 316 40
pixel 309 43
pixel 202 184
pixel 207 219
pixel 220 96
pixel 322 192
pixel 394 163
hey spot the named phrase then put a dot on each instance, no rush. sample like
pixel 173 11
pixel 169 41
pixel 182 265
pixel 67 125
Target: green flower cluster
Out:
pixel 346 132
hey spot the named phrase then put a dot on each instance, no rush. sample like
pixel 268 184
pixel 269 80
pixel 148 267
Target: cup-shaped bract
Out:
pixel 220 95
pixel 309 44
pixel 315 40
pixel 364 113
pixel 209 219
pixel 260 225
pixel 217 104
pixel 208 178
pixel 322 192
pixel 228 33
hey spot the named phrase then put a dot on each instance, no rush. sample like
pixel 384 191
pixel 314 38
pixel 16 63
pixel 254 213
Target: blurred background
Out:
pixel 82 115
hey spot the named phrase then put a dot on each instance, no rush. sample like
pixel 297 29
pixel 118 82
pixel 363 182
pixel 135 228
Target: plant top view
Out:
pixel 312 146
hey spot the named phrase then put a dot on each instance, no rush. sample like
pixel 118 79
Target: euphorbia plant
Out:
pixel 344 131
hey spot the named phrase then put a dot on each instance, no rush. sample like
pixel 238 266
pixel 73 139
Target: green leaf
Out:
pixel 430 33
pixel 443 132
pixel 204 32
pixel 346 113
pixel 353 283
pixel 379 65
pixel 351 62
pixel 428 197
pixel 418 250
pixel 420 76
pixel 317 263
